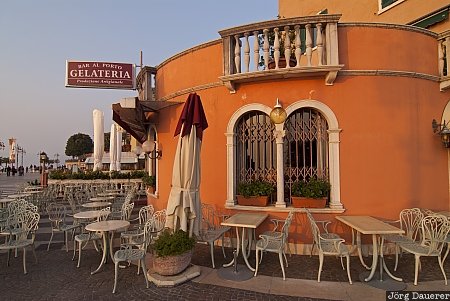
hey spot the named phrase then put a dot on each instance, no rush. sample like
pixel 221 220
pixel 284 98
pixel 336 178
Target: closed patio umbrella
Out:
pixel 119 148
pixel 98 139
pixel 184 204
pixel 113 148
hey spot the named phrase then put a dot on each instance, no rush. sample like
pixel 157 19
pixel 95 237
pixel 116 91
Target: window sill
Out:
pixel 381 11
pixel 272 208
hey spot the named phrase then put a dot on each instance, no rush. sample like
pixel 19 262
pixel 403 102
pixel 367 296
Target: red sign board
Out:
pixel 100 75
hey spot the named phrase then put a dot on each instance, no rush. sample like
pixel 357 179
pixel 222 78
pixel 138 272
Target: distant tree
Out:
pixel 79 145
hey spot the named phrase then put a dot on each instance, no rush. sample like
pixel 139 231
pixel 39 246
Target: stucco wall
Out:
pixel 389 157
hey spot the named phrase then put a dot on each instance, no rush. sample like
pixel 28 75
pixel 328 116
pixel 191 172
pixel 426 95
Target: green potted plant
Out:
pixel 310 194
pixel 149 182
pixel 281 39
pixel 172 252
pixel 254 193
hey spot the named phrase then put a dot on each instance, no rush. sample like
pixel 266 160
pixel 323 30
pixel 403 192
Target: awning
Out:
pixel 129 113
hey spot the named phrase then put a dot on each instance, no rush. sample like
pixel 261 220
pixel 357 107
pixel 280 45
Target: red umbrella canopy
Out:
pixel 192 115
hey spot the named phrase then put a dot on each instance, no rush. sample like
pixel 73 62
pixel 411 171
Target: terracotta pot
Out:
pixel 260 201
pixel 282 63
pixel 172 265
pixel 302 202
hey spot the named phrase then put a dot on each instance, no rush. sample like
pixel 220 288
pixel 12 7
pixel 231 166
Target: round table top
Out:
pixel 101 198
pixel 113 190
pixel 6 200
pixel 89 214
pixel 110 225
pixel 96 204
pixel 18 196
pixel 33 188
pixel 107 194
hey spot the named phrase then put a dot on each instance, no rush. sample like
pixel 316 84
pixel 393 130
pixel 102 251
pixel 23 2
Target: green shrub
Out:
pixel 173 243
pixel 255 188
pixel 149 181
pixel 314 188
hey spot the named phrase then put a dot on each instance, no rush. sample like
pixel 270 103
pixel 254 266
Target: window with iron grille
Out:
pixel 255 148
pixel 305 147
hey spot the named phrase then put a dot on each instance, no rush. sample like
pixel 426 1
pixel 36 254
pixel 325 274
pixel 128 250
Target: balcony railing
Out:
pixel 310 44
pixel 444 59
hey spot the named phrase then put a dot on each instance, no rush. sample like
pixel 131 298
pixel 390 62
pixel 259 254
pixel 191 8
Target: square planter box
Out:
pixel 260 201
pixel 302 202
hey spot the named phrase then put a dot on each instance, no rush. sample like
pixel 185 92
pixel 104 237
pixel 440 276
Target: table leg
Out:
pixel 111 241
pixel 358 243
pixel 383 264
pixel 105 246
pixel 374 258
pixel 244 253
pixel 237 250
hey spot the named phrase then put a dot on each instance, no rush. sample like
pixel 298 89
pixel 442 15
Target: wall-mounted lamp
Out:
pixel 278 114
pixel 151 149
pixel 443 131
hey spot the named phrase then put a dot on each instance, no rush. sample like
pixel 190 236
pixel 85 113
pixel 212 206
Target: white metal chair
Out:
pixel 435 229
pixel 27 222
pixel 145 213
pixel 410 221
pixel 328 246
pixel 57 216
pixel 211 229
pixel 274 242
pixel 134 252
pixel 278 227
pixel 90 236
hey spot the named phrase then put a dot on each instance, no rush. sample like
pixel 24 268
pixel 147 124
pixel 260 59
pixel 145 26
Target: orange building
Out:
pixel 360 98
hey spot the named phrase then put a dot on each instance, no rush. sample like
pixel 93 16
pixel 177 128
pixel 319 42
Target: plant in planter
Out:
pixel 254 193
pixel 172 252
pixel 310 194
pixel 149 182
pixel 281 39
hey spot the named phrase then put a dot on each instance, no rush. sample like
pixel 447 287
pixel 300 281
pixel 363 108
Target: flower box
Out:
pixel 260 201
pixel 303 202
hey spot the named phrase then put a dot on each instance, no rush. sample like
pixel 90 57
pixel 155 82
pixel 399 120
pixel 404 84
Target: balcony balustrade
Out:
pixel 309 43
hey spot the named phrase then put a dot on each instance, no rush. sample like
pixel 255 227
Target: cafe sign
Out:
pixel 105 75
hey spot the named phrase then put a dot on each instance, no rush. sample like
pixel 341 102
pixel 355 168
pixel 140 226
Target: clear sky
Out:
pixel 37 37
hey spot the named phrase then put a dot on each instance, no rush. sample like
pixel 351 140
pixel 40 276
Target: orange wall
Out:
pixel 389 157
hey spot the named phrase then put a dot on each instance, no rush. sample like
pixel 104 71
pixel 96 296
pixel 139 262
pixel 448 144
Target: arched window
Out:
pixel 305 147
pixel 255 148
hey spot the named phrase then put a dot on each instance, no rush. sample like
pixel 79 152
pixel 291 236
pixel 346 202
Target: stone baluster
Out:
pixel 276 46
pixel 246 52
pixel 298 44
pixel 319 43
pixel 256 50
pixel 308 43
pixel 287 46
pixel 237 54
pixel 266 49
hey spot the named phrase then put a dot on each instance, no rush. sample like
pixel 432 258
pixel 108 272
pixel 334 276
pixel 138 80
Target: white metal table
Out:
pixel 246 222
pixel 94 205
pixel 369 225
pixel 107 228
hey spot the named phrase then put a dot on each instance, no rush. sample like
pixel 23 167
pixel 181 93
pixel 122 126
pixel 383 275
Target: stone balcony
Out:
pixel 444 59
pixel 311 43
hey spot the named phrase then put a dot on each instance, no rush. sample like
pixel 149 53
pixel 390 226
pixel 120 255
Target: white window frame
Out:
pixel 335 205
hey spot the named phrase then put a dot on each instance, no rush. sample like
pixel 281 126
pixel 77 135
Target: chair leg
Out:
pixel 74 249
pixel 211 249
pixel 223 248
pixel 280 257
pixel 441 265
pixel 50 241
pixel 257 262
pixel 320 266
pixel 7 260
pixel 348 269
pixel 446 253
pixel 144 270
pixel 116 274
pixel 79 254
pixel 24 261
pixel 66 241
pixel 34 252
pixel 416 268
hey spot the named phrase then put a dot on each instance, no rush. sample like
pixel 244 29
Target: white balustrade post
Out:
pixel 298 48
pixel 266 49
pixel 331 44
pixel 319 43
pixel 287 46
pixel 246 52
pixel 237 54
pixel 308 44
pixel 256 50
pixel 276 46
pixel 441 57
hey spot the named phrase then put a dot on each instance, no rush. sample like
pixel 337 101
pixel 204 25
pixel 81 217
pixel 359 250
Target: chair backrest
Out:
pixel 148 228
pixel 105 213
pixel 435 229
pixel 56 214
pixel 158 221
pixel 145 213
pixel 126 210
pixel 314 228
pixel 410 221
pixel 209 217
pixel 287 224
pixel 29 222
